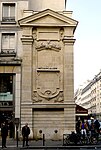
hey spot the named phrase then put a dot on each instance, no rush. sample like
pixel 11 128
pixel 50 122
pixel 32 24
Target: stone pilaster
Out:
pixel 26 101
pixel 27 69
pixel 69 110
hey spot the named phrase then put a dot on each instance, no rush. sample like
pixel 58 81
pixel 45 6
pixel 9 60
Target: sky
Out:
pixel 87 47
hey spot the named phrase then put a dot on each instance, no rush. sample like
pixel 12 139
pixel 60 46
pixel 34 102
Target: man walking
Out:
pixel 4 134
pixel 25 134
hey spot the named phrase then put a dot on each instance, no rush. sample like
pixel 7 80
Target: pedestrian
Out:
pixel 78 129
pixel 25 134
pixel 11 129
pixel 4 134
pixel 97 125
pixel 92 130
pixel 84 129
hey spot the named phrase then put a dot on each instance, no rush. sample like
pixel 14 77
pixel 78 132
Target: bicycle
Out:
pixel 72 139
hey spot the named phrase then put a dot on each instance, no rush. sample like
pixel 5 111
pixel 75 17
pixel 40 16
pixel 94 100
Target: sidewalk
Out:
pixel 12 144
pixel 48 144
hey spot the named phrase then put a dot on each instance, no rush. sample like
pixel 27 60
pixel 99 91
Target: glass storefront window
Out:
pixel 6 87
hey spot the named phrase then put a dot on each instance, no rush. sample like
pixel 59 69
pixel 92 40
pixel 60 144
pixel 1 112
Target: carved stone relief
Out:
pixel 34 34
pixel 48 83
pixel 61 33
pixel 48 54
pixel 59 98
pixel 48 45
pixel 48 71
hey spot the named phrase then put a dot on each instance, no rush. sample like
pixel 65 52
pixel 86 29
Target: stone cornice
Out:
pixel 52 105
pixel 68 40
pixel 27 39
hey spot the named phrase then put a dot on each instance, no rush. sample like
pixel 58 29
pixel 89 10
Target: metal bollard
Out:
pixel 17 137
pixel 63 139
pixel 43 139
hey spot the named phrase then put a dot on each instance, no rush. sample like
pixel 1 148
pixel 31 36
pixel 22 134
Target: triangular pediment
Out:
pixel 47 18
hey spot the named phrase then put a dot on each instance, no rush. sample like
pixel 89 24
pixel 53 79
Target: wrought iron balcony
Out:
pixel 8 52
pixel 8 20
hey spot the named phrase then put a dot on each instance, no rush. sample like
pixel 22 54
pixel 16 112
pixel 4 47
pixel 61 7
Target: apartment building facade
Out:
pixel 36 66
pixel 90 96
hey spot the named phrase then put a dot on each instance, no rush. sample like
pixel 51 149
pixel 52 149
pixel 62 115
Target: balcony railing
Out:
pixel 8 52
pixel 8 19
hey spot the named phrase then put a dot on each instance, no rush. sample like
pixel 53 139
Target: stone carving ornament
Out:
pixel 48 45
pixel 55 99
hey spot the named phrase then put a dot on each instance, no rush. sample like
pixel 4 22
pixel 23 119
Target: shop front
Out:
pixel 81 113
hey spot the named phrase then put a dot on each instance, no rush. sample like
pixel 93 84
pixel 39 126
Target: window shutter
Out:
pixel 12 11
pixel 8 12
pixel 5 11
pixel 8 41
pixel 5 41
pixel 11 42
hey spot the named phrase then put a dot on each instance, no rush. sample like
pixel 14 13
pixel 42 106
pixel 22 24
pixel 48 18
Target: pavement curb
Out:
pixel 62 147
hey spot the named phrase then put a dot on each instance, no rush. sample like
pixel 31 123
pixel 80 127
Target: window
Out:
pixel 6 83
pixel 8 43
pixel 6 97
pixel 6 89
pixel 8 12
